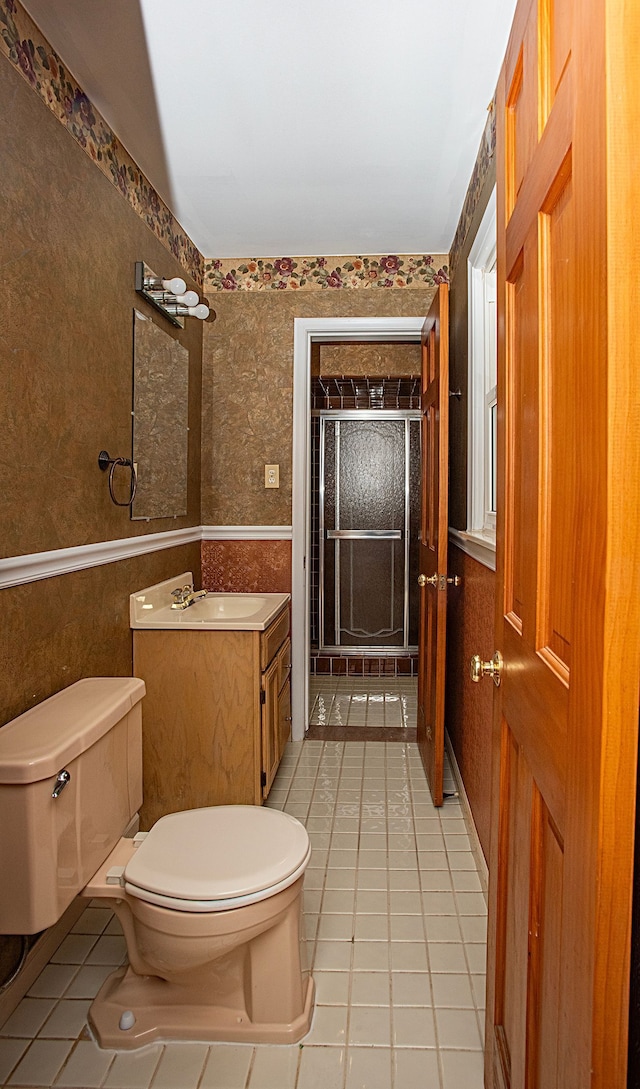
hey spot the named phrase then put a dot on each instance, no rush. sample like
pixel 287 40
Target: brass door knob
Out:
pixel 424 579
pixel 479 669
pixel 455 580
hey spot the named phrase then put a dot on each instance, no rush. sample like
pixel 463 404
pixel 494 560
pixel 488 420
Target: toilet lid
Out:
pixel 219 853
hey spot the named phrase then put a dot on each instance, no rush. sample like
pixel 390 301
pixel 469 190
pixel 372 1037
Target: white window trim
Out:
pixel 480 523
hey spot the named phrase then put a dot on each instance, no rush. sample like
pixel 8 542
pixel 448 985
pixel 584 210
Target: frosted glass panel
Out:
pixel 371 593
pixel 372 474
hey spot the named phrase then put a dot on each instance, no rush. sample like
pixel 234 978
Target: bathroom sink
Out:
pixel 224 607
pixel 151 608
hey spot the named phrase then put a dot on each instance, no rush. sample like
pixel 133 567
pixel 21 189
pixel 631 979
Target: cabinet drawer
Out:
pixel 284 663
pixel 273 638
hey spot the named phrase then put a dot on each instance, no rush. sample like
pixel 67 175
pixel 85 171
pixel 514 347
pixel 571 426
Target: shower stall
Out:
pixel 365 528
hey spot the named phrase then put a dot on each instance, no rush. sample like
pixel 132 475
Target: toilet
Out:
pixel 209 900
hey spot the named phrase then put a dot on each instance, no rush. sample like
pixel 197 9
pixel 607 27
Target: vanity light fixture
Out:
pixel 170 297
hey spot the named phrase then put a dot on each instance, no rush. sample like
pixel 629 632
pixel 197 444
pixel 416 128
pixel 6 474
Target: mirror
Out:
pixel 160 421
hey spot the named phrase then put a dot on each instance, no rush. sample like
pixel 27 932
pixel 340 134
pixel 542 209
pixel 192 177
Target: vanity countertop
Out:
pixel 151 608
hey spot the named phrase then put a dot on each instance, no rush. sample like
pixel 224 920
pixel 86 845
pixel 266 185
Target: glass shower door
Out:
pixel 365 513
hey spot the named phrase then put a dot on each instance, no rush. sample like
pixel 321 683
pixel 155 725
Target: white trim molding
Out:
pixel 305 332
pixel 246 533
pixel 482 549
pixel 17 570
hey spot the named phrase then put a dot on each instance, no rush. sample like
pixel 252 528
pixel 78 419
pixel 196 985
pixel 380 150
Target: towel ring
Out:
pixel 105 462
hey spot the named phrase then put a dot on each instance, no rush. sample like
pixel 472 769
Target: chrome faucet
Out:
pixel 185 596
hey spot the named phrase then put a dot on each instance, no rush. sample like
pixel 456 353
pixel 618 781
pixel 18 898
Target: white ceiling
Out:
pixel 289 127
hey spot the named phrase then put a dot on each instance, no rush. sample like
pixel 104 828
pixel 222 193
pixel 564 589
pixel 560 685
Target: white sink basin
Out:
pixel 151 608
pixel 225 606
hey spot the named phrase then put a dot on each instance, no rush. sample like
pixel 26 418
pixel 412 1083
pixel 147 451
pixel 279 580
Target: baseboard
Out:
pixel 38 957
pixel 474 839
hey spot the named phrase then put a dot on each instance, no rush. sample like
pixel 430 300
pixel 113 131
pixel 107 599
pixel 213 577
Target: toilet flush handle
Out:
pixel 62 778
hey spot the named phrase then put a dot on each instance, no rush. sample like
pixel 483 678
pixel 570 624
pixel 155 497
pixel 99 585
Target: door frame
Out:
pixel 307 331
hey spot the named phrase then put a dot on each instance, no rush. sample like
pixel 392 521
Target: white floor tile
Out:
pixel 86 1066
pixel 92 921
pixel 274 1068
pixel 67 1020
pixel 452 989
pixel 88 981
pixel 28 1018
pixel 462 1068
pixel 53 981
pixel 180 1066
pixel 41 1063
pixel 413 1026
pixel 134 1069
pixel 370 989
pixel 11 1051
pixel 370 1025
pixel 410 989
pixel 332 988
pixel 321 1068
pixel 227 1067
pixel 329 1026
pixel 417 1067
pixel 74 949
pixel 447 957
pixel 458 1029
pixel 368 1068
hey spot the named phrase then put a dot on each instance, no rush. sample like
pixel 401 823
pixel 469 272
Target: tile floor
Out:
pixel 396 923
pixel 362 702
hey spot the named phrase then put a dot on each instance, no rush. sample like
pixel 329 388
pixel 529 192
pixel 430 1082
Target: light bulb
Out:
pixel 200 311
pixel 190 298
pixel 177 286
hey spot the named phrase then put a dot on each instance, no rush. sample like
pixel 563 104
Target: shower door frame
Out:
pixel 360 415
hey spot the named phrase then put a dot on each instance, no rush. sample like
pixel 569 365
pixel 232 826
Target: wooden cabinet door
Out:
pixel 568 606
pixel 270 727
pixel 284 716
pixel 284 697
pixel 434 538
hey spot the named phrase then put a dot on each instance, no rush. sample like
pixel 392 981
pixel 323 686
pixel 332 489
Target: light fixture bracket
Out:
pixel 144 283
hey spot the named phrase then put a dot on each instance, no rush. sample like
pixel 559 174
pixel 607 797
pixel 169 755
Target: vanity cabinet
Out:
pixel 216 716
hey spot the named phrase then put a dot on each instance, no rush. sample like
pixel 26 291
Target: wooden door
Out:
pixel 434 540
pixel 567 614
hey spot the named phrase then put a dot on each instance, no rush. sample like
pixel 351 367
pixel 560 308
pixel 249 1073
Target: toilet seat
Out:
pixel 217 858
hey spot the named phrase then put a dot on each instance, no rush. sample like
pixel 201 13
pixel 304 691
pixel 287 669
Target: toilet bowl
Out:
pixel 209 900
pixel 215 947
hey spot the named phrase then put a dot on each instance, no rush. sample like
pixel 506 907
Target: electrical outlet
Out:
pixel 272 476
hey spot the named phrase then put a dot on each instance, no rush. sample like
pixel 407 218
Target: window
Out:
pixel 481 484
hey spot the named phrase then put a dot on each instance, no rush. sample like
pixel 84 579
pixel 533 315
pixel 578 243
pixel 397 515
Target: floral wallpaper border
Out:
pixel 330 273
pixel 484 160
pixel 29 51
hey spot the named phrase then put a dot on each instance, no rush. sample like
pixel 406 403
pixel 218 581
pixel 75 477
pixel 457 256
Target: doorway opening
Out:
pixel 343 627
pixel 309 335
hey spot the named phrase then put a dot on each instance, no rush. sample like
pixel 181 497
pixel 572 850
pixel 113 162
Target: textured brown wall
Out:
pixel 61 629
pixel 459 363
pixel 247 567
pixel 469 706
pixel 369 359
pixel 68 242
pixel 247 392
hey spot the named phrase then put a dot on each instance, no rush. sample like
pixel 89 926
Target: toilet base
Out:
pixel 160 1014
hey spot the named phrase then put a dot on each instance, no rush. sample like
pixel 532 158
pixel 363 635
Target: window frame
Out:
pixel 482 389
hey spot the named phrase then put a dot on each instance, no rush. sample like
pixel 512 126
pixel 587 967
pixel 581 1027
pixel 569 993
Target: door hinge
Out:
pixel 263 779
pixel 263 696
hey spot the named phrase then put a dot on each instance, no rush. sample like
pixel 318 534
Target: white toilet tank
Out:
pixel 51 846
